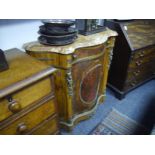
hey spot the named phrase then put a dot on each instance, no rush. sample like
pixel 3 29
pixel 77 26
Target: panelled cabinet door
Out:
pixel 87 76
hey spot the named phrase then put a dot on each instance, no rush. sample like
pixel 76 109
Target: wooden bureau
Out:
pixel 134 55
pixel 27 98
pixel 82 76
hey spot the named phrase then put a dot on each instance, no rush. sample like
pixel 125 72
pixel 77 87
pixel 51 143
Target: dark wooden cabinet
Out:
pixel 82 76
pixel 133 56
pixel 27 96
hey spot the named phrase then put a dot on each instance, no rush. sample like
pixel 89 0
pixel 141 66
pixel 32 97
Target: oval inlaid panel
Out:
pixel 90 84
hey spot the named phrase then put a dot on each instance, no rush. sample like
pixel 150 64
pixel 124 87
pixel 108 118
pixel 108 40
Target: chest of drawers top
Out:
pixel 23 70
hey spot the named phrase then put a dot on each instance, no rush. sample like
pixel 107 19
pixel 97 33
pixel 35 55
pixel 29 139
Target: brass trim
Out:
pixel 110 58
pixel 21 84
pixel 69 82
pixel 87 113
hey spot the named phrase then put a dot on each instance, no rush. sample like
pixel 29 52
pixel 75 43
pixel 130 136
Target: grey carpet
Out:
pixel 138 105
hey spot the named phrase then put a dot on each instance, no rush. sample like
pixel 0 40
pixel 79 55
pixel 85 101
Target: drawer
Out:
pixel 66 61
pixel 29 118
pixel 143 53
pixel 47 57
pixel 19 100
pixel 88 52
pixel 142 61
pixel 135 81
pixel 49 126
pixel 139 72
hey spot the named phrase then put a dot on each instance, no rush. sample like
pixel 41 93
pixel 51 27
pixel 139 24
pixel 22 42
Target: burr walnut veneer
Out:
pixel 27 99
pixel 82 76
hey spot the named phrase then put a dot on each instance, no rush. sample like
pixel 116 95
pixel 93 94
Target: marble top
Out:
pixel 81 41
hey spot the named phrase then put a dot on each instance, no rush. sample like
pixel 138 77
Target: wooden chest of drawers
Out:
pixel 27 99
pixel 134 55
pixel 82 77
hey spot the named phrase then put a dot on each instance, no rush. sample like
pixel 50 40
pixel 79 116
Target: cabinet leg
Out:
pixel 120 96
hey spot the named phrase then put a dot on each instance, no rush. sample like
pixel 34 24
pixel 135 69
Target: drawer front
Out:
pixel 16 102
pixel 147 69
pixel 88 52
pixel 135 81
pixel 49 126
pixel 47 57
pixel 25 121
pixel 81 54
pixel 143 53
pixel 142 61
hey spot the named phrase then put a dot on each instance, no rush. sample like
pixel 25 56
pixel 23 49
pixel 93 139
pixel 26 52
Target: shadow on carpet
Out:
pixel 117 123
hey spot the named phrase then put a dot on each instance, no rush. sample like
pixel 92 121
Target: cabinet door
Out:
pixel 87 76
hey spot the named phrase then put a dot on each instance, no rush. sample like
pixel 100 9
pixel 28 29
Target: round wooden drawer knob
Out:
pixel 141 55
pixel 14 106
pixel 138 63
pixel 136 73
pixel 22 128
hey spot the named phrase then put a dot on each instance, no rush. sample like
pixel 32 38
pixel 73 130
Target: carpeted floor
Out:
pixel 117 123
pixel 139 105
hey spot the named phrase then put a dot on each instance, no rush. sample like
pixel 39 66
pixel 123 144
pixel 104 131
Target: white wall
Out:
pixel 14 33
